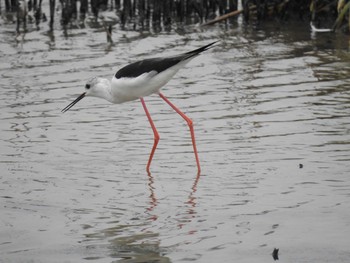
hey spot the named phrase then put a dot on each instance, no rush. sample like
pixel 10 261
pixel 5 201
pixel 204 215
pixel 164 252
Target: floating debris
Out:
pixel 319 30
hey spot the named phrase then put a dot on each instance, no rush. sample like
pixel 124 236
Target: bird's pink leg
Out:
pixel 190 125
pixel 156 135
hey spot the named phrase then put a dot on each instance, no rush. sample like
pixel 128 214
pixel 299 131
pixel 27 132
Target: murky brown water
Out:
pixel 271 110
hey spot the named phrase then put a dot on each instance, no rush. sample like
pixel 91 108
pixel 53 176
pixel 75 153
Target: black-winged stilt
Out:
pixel 141 79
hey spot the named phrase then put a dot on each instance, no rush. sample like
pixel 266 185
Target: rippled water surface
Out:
pixel 271 110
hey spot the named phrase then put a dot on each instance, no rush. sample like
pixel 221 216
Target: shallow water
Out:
pixel 271 113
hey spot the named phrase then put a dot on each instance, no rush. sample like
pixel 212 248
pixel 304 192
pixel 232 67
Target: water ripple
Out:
pixel 271 115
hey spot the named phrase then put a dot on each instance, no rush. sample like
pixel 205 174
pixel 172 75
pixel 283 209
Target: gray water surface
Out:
pixel 271 111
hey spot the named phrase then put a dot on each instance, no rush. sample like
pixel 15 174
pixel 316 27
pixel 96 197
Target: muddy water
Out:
pixel 271 111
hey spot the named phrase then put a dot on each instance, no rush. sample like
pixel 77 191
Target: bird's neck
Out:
pixel 104 90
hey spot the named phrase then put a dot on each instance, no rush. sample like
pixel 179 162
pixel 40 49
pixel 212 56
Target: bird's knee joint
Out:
pixel 190 123
pixel 156 137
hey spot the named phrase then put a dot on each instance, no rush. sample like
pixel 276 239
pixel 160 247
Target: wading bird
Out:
pixel 140 79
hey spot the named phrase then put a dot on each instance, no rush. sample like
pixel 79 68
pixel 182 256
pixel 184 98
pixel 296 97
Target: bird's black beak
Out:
pixel 74 102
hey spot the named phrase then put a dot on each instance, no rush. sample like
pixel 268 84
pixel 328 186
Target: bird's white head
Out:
pixel 98 87
pixel 94 87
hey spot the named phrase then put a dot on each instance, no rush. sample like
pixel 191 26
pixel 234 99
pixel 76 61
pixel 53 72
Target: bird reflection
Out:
pixel 192 202
pixel 189 207
pixel 153 199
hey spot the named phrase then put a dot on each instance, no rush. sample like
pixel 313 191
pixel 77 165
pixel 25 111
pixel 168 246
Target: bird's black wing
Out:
pixel 144 66
pixel 138 68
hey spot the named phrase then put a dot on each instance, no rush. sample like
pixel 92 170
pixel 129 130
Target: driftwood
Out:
pixel 224 17
pixel 270 8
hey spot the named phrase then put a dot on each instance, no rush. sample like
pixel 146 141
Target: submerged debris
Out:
pixel 275 254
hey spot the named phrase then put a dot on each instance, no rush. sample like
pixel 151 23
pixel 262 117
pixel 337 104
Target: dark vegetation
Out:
pixel 163 14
